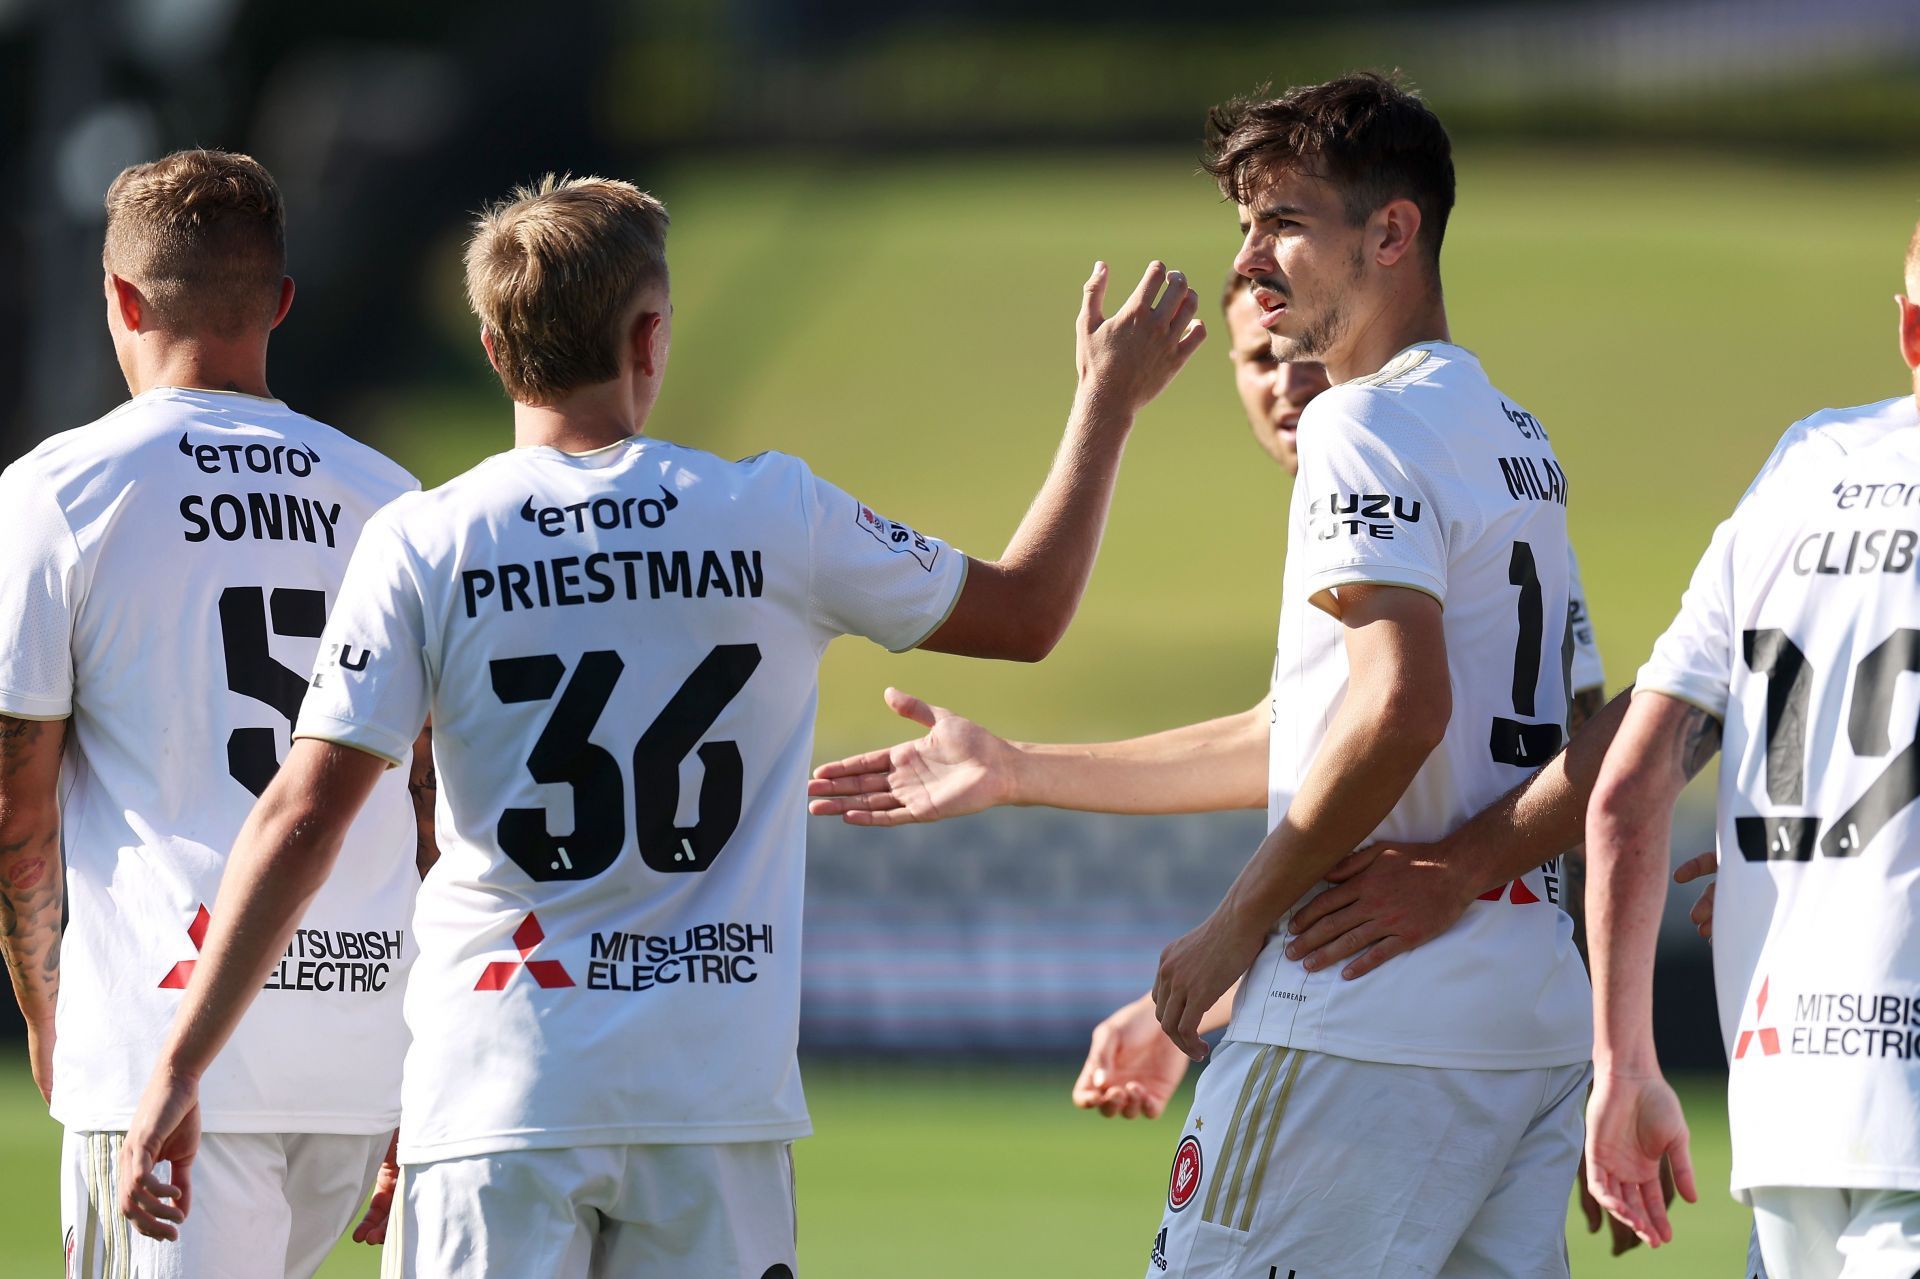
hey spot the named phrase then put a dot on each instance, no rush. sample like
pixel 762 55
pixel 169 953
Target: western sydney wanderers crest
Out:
pixel 1184 1182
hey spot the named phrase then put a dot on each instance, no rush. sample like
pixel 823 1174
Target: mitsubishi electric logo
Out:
pixel 548 974
pixel 1769 1037
pixel 181 973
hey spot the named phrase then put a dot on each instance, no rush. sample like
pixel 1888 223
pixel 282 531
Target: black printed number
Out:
pixel 252 757
pixel 562 754
pixel 1517 741
pixel 1790 678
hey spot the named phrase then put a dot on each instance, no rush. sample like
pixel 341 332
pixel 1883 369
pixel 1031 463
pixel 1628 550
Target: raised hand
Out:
pixel 956 769
pixel 1132 1068
pixel 1699 868
pixel 1131 355
pixel 1633 1123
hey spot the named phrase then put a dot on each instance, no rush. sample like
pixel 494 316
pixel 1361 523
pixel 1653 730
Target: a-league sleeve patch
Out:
pixel 896 537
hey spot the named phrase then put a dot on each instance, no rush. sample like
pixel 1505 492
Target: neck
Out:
pixel 582 422
pixel 201 364
pixel 1405 319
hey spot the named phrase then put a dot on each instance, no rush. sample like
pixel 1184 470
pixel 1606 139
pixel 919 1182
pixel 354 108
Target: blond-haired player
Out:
pixel 166 575
pixel 618 640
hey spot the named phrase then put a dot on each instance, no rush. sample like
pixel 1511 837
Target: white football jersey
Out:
pixel 1425 476
pixel 1796 630
pixel 167 573
pixel 620 654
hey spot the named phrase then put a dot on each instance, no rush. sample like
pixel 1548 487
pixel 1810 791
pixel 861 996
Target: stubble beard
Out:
pixel 1325 329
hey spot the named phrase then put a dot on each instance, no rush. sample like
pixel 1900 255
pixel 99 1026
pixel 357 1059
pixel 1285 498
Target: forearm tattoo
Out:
pixel 423 784
pixel 1699 741
pixel 32 879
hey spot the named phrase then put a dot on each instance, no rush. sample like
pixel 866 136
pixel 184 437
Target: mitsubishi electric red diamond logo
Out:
pixel 178 976
pixel 548 974
pixel 1769 1037
pixel 1522 895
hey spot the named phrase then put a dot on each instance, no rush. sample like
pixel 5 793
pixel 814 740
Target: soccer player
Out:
pixel 1315 1138
pixel 167 572
pixel 618 640
pixel 1789 646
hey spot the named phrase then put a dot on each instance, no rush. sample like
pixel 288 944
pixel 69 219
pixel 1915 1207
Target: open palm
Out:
pixel 957 768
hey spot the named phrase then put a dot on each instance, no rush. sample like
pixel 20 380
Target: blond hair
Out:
pixel 203 236
pixel 551 272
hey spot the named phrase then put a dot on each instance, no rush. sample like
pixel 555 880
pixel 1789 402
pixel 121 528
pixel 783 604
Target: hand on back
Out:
pixel 956 769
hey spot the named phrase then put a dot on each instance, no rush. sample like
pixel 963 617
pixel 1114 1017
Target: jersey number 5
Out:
pixel 252 758
pixel 562 754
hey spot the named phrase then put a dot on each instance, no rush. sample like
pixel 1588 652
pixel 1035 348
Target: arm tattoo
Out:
pixel 1586 704
pixel 32 879
pixel 1699 741
pixel 423 784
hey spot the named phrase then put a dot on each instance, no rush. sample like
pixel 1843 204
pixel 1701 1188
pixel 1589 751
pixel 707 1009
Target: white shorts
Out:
pixel 1299 1163
pixel 722 1211
pixel 263 1204
pixel 1814 1233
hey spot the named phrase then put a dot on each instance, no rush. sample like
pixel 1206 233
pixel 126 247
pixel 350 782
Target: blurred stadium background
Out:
pixel 1679 225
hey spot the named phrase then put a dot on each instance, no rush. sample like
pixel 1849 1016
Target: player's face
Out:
pixel 1272 393
pixel 1306 263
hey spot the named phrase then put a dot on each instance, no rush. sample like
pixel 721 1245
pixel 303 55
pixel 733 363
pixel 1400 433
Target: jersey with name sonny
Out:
pixel 1424 476
pixel 620 651
pixel 1801 631
pixel 168 569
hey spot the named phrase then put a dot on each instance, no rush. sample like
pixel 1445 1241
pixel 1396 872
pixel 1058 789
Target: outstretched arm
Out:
pixel 282 856
pixel 1633 1117
pixel 32 881
pixel 1396 711
pixel 959 767
pixel 1018 606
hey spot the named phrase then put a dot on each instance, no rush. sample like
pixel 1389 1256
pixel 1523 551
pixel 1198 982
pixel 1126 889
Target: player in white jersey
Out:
pixel 617 639
pixel 1789 644
pixel 1420 487
pixel 167 574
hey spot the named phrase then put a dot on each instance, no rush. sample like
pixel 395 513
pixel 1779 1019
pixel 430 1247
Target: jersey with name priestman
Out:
pixel 168 570
pixel 620 653
pixel 1800 631
pixel 1423 476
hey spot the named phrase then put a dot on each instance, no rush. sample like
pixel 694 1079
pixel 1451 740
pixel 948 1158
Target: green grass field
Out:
pixel 946 1174
pixel 906 326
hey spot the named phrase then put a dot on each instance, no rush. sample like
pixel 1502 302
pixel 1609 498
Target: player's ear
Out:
pixel 125 298
pixel 1392 229
pixel 486 340
pixel 649 338
pixel 286 301
pixel 1909 330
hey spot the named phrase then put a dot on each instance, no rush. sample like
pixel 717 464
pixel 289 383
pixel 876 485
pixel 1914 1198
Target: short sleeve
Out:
pixel 1370 512
pixel 1693 660
pixel 370 686
pixel 874 576
pixel 39 586
pixel 1588 672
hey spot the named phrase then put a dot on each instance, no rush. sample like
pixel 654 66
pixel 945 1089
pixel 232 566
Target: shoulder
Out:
pixel 384 475
pixel 1835 433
